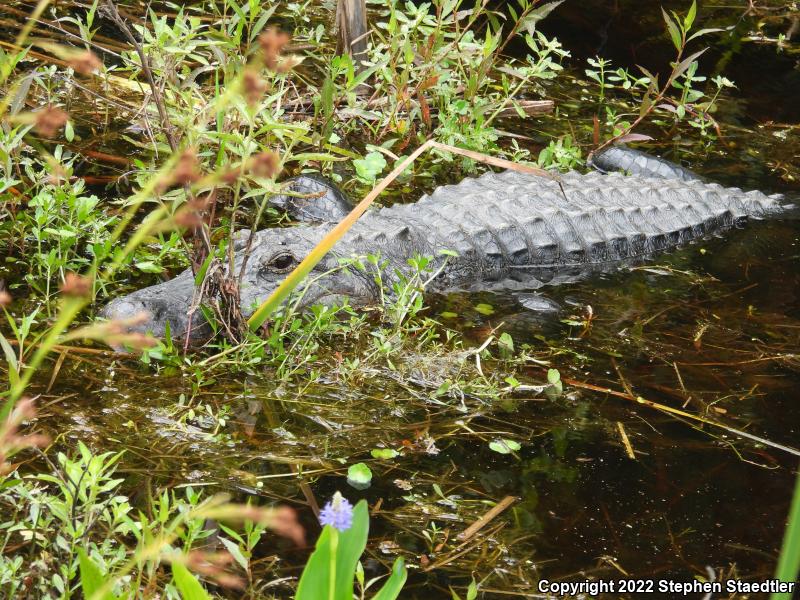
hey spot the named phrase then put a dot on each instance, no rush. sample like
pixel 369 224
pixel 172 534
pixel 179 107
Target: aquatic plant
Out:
pixel 788 568
pixel 333 567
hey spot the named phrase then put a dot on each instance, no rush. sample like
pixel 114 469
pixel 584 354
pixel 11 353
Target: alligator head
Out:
pixel 273 254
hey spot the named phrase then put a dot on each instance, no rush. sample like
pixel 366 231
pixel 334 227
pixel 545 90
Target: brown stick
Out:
pixel 487 518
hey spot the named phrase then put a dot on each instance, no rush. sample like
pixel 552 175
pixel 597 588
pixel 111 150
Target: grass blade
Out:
pixel 789 562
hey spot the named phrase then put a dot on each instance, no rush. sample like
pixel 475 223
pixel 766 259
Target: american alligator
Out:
pixel 504 230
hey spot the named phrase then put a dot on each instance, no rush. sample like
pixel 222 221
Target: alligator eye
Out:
pixel 281 262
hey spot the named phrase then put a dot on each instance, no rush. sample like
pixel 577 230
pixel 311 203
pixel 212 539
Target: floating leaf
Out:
pixel 485 309
pixel 384 453
pixel 359 476
pixel 504 446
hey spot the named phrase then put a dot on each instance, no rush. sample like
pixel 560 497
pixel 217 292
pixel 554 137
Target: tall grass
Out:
pixel 789 562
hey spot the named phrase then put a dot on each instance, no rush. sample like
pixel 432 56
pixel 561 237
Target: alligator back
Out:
pixel 501 222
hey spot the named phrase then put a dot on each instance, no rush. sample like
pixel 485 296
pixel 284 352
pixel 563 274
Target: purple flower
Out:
pixel 338 513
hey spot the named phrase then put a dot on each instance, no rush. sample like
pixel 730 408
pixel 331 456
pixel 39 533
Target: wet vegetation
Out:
pixel 641 423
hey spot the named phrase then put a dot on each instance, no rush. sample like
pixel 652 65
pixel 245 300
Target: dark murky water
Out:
pixel 714 328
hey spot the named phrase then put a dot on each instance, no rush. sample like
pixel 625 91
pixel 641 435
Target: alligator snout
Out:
pixel 161 305
pixel 137 315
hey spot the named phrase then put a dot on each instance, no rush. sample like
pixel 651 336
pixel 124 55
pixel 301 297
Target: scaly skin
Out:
pixel 509 230
pixel 636 162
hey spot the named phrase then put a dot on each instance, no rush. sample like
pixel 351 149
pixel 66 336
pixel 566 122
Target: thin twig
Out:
pixel 157 96
pixel 681 413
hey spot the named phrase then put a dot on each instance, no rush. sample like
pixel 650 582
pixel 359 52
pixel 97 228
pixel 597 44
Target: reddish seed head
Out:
pixel 10 441
pixel 76 286
pixel 272 44
pixel 85 63
pixel 25 410
pixel 49 121
pixel 253 87
pixel 190 214
pixel 186 217
pixel 138 341
pixel 230 175
pixel 264 164
pixel 211 565
pixel 187 169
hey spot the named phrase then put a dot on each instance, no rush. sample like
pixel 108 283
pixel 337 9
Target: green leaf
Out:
pixel 349 550
pixel 69 132
pixel 92 579
pixel 148 266
pixel 359 476
pixel 674 32
pixel 504 446
pixel 384 453
pixel 681 67
pixel 369 167
pixel 187 584
pixel 506 341
pixel 315 580
pixel 536 15
pixel 553 376
pixel 201 272
pixel 334 560
pixel 11 360
pixel 788 567
pixel 689 19
pixel 236 552
pixel 703 32
pixel 485 309
pixel 394 585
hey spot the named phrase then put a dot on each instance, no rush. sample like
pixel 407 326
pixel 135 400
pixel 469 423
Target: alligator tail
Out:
pixel 636 162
